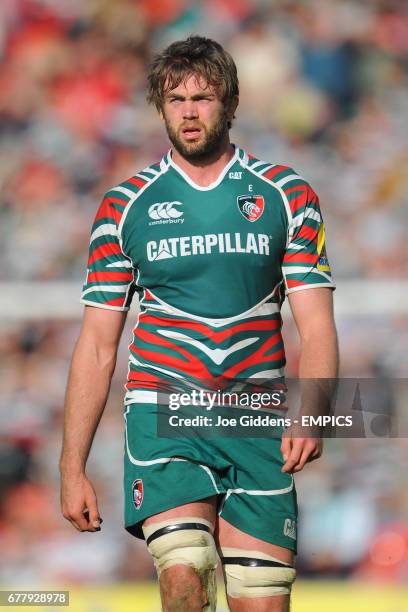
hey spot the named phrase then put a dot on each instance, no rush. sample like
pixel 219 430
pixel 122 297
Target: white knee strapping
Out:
pixel 250 573
pixel 187 541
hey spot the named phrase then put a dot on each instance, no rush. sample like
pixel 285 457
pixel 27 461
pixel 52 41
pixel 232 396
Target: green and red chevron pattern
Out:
pixel 170 347
pixel 211 266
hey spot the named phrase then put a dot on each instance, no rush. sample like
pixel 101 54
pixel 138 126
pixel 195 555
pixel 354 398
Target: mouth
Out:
pixel 192 132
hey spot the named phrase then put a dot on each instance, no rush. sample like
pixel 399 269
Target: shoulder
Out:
pixel 277 174
pixel 120 197
pixel 129 189
pixel 295 190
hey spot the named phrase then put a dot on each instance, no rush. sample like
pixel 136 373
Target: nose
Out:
pixel 190 109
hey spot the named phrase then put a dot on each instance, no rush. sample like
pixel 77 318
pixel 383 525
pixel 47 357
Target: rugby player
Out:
pixel 211 239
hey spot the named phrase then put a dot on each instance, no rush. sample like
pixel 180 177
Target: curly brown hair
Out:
pixel 194 56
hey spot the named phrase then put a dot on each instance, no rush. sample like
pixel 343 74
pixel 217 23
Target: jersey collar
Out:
pixel 168 161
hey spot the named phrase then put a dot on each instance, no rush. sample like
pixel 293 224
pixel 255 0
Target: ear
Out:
pixel 161 114
pixel 232 107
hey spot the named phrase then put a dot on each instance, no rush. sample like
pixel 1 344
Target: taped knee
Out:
pixel 250 573
pixel 186 541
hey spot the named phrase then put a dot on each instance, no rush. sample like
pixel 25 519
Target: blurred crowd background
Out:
pixel 323 89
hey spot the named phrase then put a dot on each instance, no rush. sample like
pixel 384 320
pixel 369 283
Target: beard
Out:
pixel 206 147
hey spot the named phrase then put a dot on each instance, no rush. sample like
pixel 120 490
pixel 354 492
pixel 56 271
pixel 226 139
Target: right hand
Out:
pixel 79 504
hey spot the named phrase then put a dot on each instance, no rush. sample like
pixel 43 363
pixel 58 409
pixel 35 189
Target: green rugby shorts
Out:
pixel 161 473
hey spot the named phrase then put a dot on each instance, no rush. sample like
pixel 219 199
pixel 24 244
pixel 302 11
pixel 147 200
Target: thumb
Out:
pixel 92 506
pixel 285 448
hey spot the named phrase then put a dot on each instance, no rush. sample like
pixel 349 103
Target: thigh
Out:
pixel 204 508
pixel 257 520
pixel 227 535
pixel 162 474
pixel 260 499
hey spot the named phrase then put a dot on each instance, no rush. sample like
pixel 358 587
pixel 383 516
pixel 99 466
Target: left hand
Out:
pixel 299 451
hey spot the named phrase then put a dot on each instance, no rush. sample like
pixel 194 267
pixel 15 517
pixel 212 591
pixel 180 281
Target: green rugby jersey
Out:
pixel 211 266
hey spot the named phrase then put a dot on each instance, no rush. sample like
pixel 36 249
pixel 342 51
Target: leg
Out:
pixel 181 543
pixel 246 585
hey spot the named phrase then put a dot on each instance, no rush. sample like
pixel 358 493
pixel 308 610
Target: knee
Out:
pixel 255 575
pixel 181 588
pixel 185 558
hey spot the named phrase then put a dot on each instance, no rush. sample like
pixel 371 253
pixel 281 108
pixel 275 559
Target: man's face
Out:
pixel 195 118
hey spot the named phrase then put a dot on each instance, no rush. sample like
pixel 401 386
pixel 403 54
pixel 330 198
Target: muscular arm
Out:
pixel 312 311
pixel 91 371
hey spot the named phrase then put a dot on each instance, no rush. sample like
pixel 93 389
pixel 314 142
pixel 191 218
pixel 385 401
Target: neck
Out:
pixel 206 170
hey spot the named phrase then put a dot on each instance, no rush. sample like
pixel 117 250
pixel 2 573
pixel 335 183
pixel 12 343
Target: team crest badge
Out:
pixel 251 207
pixel 137 493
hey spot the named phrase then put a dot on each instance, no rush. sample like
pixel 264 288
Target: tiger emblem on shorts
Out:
pixel 137 492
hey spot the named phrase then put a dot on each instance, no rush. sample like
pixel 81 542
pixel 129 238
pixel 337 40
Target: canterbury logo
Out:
pixel 289 528
pixel 165 212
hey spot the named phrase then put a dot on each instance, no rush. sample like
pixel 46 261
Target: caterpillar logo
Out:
pixel 185 246
pixel 165 212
